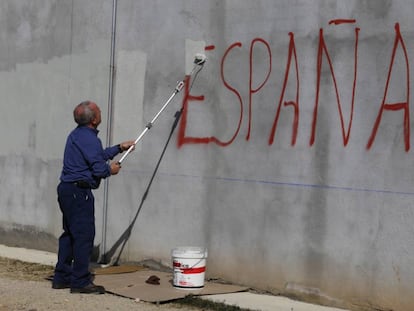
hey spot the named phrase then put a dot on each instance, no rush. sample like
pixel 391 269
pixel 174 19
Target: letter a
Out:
pixel 396 106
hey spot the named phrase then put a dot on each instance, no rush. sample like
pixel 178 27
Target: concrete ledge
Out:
pixel 28 255
pixel 265 302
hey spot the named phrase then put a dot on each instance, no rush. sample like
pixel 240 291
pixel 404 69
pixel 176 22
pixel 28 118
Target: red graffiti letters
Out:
pixel 292 78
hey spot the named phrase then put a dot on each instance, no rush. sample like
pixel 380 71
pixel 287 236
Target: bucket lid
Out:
pixel 189 252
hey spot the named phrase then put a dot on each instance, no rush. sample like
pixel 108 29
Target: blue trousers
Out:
pixel 76 241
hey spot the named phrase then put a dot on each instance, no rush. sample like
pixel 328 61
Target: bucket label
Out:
pixel 186 269
pixel 194 270
pixel 189 273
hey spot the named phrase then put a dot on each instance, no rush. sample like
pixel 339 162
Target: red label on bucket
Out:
pixel 194 270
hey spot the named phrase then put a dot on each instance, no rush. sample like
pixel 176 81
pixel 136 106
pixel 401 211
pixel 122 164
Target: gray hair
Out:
pixel 83 114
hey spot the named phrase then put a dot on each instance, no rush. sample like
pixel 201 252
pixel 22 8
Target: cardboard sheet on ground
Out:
pixel 133 285
pixel 118 269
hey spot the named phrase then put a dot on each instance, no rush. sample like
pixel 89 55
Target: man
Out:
pixel 84 165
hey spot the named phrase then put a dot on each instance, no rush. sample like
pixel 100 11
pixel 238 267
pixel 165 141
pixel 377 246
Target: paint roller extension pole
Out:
pixel 199 60
pixel 178 88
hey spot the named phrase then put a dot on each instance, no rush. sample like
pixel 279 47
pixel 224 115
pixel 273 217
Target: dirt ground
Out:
pixel 24 286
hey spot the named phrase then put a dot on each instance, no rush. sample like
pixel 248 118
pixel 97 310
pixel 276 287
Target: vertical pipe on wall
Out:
pixel 112 73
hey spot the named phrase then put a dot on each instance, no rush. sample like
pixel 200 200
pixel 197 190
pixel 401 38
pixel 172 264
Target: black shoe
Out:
pixel 60 285
pixel 88 289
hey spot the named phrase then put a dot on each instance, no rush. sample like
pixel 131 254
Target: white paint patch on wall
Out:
pixel 41 98
pixel 129 86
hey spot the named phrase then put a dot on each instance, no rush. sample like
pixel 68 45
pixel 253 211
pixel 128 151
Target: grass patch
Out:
pixel 16 269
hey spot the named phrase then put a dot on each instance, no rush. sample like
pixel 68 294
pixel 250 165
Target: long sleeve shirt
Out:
pixel 84 157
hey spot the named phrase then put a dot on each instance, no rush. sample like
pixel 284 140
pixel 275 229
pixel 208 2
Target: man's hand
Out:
pixel 115 167
pixel 126 145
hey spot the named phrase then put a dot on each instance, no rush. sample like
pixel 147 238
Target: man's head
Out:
pixel 87 113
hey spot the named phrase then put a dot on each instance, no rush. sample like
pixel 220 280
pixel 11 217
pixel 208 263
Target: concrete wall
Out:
pixel 319 208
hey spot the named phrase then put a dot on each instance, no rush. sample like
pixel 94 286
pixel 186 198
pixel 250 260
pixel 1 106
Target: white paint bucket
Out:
pixel 189 266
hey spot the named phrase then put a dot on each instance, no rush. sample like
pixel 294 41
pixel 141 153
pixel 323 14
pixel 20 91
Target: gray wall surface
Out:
pixel 292 162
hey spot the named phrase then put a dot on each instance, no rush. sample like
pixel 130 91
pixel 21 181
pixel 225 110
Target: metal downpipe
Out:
pixel 112 73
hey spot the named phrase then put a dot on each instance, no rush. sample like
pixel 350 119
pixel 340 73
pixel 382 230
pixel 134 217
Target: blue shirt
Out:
pixel 85 159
